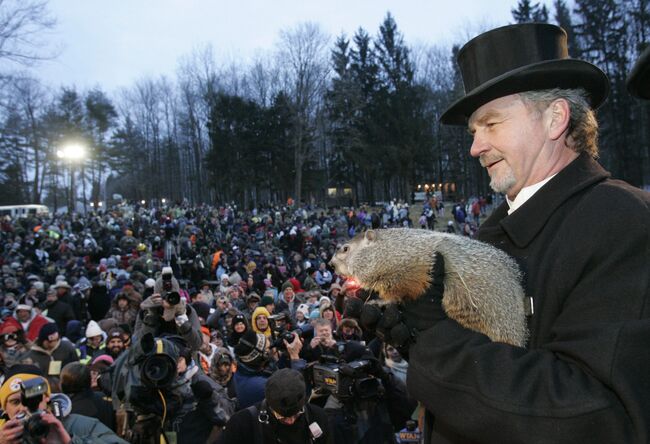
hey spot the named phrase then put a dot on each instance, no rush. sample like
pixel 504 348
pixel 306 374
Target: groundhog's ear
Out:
pixel 370 235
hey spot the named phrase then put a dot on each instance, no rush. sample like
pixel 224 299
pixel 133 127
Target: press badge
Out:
pixel 315 430
pixel 55 368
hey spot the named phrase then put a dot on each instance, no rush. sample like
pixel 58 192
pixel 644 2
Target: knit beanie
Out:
pixel 266 300
pixel 250 347
pixel 46 331
pixel 304 309
pixel 202 310
pixel 285 392
pixel 93 329
pixel 12 385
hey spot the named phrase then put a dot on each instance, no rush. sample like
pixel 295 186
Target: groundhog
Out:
pixel 483 289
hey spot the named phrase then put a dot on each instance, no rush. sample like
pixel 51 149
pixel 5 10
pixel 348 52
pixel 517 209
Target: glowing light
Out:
pixel 73 151
pixel 143 202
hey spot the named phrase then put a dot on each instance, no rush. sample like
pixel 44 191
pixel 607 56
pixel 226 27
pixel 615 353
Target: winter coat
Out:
pixel 244 426
pixel 90 403
pixel 64 353
pixel 213 409
pixel 83 429
pixel 35 323
pixel 583 243
pixel 60 312
pixel 156 324
pixel 126 316
pixel 249 384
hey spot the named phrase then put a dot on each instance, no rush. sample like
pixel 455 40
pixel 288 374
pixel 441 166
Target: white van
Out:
pixel 18 211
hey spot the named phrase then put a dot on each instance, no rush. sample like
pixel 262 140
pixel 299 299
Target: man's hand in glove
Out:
pixel 423 312
pixel 398 324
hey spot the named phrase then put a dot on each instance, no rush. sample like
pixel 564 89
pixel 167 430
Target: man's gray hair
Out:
pixel 320 322
pixel 582 133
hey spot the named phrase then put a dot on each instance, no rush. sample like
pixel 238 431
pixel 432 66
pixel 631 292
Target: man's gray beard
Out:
pixel 504 183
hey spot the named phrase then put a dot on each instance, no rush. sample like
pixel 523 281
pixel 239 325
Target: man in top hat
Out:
pixel 583 373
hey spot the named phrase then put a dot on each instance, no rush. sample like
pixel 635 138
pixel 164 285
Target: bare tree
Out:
pixel 304 55
pixel 30 100
pixel 262 80
pixel 23 26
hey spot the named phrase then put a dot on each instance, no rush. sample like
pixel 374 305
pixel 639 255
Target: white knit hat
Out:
pixel 93 329
pixel 304 308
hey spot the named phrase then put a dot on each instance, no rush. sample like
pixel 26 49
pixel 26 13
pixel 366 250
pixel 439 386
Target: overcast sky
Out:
pixel 114 43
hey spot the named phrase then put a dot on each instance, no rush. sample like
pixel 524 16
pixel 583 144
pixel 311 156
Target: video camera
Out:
pixel 146 373
pixel 31 395
pixel 346 380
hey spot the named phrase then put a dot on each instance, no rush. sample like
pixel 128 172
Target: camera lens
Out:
pixel 36 428
pixel 158 371
pixel 173 298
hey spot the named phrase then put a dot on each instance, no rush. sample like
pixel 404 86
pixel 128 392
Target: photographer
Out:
pixel 282 417
pixel 255 365
pixel 25 415
pixel 165 313
pixel 322 343
pixel 366 403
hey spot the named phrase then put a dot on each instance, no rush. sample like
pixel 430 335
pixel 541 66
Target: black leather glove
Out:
pixel 399 324
pixel 423 312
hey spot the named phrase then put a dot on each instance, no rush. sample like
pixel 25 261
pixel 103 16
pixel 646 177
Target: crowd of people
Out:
pixel 214 325
pixel 236 296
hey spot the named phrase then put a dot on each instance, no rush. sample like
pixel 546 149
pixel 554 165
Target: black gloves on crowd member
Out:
pixel 398 324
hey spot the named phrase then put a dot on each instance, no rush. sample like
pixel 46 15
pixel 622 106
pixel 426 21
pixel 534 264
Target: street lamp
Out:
pixel 72 152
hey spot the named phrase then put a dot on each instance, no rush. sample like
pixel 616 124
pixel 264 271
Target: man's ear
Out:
pixel 559 115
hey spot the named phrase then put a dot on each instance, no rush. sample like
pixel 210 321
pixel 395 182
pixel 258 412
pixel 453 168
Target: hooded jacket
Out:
pixel 36 321
pixel 261 311
pixel 151 319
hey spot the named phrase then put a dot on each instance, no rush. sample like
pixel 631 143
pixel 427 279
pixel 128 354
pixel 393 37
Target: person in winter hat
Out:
pixel 161 315
pixel 51 352
pixel 27 319
pixel 13 345
pixel 238 327
pixel 93 344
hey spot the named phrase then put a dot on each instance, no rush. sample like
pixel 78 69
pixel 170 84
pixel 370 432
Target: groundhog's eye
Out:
pixel 345 248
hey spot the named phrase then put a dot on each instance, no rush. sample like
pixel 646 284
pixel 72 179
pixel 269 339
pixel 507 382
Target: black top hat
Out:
pixel 518 58
pixel 638 82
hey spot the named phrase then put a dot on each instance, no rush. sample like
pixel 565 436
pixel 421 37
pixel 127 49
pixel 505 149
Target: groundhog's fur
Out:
pixel 482 284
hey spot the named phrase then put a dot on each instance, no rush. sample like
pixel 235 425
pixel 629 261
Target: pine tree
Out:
pixel 563 19
pixel 527 12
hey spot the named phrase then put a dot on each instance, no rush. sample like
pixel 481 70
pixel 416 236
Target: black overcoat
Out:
pixel 583 243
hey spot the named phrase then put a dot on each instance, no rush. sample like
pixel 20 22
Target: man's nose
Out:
pixel 479 145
